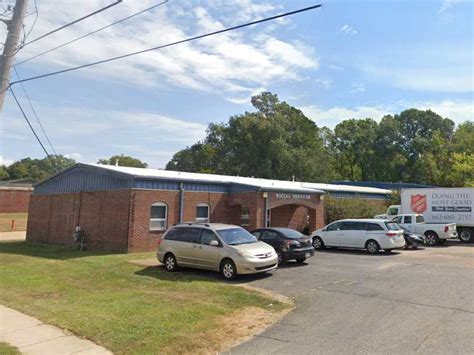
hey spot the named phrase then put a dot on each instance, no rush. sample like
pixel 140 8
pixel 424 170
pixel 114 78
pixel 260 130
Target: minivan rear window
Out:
pixel 374 227
pixel 392 226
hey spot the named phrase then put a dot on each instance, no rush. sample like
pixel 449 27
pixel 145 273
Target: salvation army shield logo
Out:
pixel 418 203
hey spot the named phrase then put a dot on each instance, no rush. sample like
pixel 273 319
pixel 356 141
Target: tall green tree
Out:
pixel 38 169
pixel 123 160
pixel 276 141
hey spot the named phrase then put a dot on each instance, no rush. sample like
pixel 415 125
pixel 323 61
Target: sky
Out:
pixel 347 59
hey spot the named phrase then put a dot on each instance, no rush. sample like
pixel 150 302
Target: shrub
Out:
pixel 341 208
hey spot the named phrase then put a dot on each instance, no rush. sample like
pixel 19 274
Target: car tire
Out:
pixel 466 235
pixel 281 259
pixel 432 239
pixel 228 269
pixel 318 243
pixel 372 247
pixel 300 260
pixel 170 262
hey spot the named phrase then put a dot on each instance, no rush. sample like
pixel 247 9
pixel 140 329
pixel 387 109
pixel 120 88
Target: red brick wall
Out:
pixel 140 236
pixel 255 202
pixel 102 214
pixel 291 216
pixel 14 200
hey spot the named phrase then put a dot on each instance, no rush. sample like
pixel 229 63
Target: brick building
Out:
pixel 127 209
pixel 14 199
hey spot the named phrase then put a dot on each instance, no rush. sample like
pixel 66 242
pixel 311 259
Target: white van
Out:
pixel 370 234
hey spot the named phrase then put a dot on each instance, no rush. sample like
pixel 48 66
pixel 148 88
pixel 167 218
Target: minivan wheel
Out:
pixel 432 239
pixel 318 243
pixel 228 270
pixel 372 247
pixel 170 263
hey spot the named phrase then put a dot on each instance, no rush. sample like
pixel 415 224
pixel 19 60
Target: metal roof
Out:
pixel 263 184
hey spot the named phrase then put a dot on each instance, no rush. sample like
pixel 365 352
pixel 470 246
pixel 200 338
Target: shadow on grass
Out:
pixel 44 250
pixel 191 275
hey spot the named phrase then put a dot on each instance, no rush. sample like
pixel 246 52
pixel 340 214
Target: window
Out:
pixel 173 234
pixel 353 226
pixel 236 236
pixel 398 219
pixel 334 227
pixel 393 211
pixel 420 219
pixel 158 216
pixel 202 212
pixel 269 236
pixel 244 216
pixel 407 219
pixel 190 235
pixel 257 234
pixel 207 236
pixel 374 227
pixel 391 226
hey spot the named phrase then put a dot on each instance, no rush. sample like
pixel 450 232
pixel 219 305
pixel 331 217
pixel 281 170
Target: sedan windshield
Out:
pixel 236 236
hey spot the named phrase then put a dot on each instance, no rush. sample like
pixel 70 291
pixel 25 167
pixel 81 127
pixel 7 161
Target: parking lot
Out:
pixel 352 302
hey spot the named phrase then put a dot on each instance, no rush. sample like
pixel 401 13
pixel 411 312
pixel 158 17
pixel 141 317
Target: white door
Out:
pixel 332 235
pixel 353 234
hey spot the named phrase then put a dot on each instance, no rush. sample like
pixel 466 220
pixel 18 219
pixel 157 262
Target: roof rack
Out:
pixel 192 223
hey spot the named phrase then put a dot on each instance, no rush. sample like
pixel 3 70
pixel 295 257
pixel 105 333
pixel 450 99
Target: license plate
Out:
pixel 307 255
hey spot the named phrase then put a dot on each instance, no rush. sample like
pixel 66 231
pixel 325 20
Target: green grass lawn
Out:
pixel 6 220
pixel 6 349
pixel 124 307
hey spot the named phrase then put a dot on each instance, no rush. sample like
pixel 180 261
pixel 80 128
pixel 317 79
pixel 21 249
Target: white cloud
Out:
pixel 5 162
pixel 332 116
pixel 245 100
pixel 232 61
pixel 456 110
pixel 447 4
pixel 357 88
pixel 348 30
pixel 455 79
pixel 91 134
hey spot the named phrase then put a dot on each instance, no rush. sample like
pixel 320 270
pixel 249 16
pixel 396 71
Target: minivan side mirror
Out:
pixel 214 243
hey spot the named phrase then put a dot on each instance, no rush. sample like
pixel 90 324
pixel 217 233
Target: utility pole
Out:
pixel 11 46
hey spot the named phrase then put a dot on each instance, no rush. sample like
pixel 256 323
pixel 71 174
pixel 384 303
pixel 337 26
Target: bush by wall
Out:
pixel 338 208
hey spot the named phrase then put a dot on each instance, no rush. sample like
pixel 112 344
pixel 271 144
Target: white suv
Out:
pixel 370 234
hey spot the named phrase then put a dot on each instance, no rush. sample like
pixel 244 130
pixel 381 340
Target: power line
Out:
pixel 167 45
pixel 34 112
pixel 73 22
pixel 34 22
pixel 91 33
pixel 33 130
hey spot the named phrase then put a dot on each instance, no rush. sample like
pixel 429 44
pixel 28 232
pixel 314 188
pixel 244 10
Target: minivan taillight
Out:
pixel 391 234
pixel 446 229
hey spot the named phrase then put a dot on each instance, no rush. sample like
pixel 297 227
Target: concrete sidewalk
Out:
pixel 31 336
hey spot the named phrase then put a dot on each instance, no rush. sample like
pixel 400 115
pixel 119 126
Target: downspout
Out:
pixel 265 196
pixel 181 202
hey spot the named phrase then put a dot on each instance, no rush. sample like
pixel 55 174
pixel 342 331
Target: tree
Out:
pixel 4 173
pixel 123 160
pixel 277 141
pixel 38 169
pixel 463 138
pixel 354 148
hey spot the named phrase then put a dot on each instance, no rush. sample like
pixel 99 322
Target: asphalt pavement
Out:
pixel 347 302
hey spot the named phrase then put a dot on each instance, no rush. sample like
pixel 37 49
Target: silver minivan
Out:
pixel 226 248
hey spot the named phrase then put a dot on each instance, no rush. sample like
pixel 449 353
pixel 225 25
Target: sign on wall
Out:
pixel 282 196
